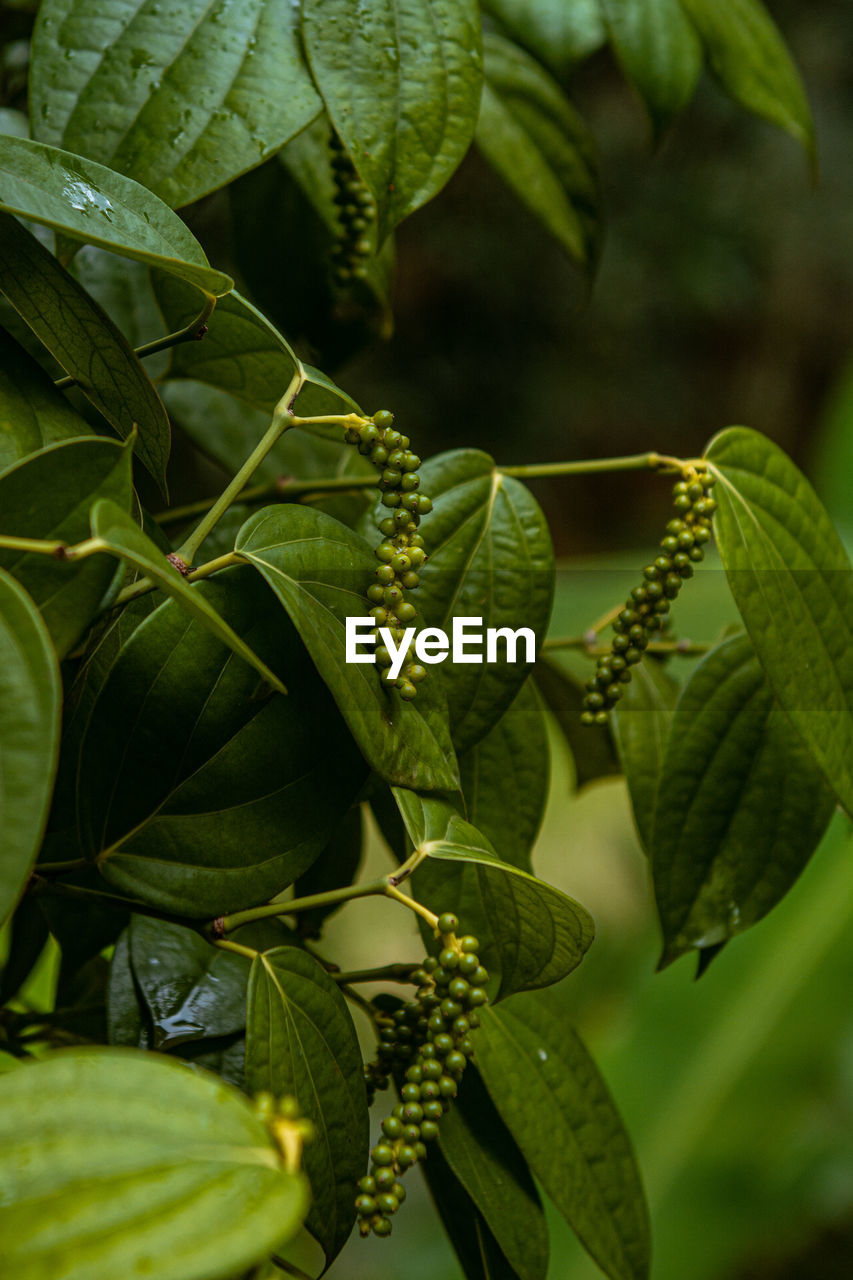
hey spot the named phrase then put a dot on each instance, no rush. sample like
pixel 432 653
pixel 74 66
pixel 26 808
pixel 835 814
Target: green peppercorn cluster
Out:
pixel 401 551
pixel 356 216
pixel 425 1045
pixel 645 612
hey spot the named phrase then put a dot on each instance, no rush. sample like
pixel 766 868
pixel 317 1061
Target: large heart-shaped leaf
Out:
pixel 30 702
pixel 749 58
pixel 660 53
pixel 490 557
pixel 793 585
pixel 48 495
pixel 531 134
pixel 181 98
pixel 401 81
pixel 32 412
pixel 531 934
pixel 197 792
pixel 301 1041
pixel 551 1097
pixel 126 540
pixel 741 805
pixel 148 1169
pixel 90 203
pixel 641 728
pixel 319 570
pixel 242 352
pixel 556 33
pixel 505 779
pixel 85 342
pixel 483 1155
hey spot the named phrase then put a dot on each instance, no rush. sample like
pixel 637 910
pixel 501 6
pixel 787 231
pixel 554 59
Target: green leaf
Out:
pixel 301 1041
pixel 32 412
pixel 198 792
pixel 241 353
pixel 505 778
pixel 792 583
pixel 27 934
pixel 741 806
pixel 483 1155
pixel 123 288
pixel 182 99
pixel 48 495
pixel 490 556
pixel 558 34
pixel 535 139
pixel 641 728
pixel 336 867
pixel 126 540
pixel 128 1021
pixel 319 570
pixel 193 990
pixel 749 58
pixel 531 934
pixel 477 1249
pixel 148 1169
pixel 401 82
pixel 551 1097
pixel 92 204
pixel 593 753
pixel 30 703
pixel 660 53
pixel 86 343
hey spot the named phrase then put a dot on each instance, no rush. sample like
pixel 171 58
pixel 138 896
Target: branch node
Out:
pixel 178 562
pixel 217 927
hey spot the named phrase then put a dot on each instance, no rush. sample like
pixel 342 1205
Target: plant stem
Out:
pixel 384 973
pixel 289 486
pixel 193 332
pixel 62 868
pixel 282 420
pixel 386 886
pixel 237 948
pixel 144 585
pixel 59 550
pixel 630 462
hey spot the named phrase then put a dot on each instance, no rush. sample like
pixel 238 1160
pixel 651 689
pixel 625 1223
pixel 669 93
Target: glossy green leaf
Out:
pixel 30 702
pixel 741 806
pixel 534 138
pixel 557 33
pixel 792 582
pixel 199 792
pixel 150 1170
pixel 401 80
pixel 92 204
pixel 123 288
pixel 126 540
pixel 319 570
pixel 30 718
pixel 748 56
pixel 181 97
pixel 32 412
pixel 531 934
pixel 128 1019
pixel 192 989
pixel 48 495
pixel 505 779
pixel 241 353
pixel 593 753
pixel 490 557
pixel 85 342
pixel 659 51
pixel 483 1155
pixel 556 1105
pixel 641 728
pixel 477 1249
pixel 301 1041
